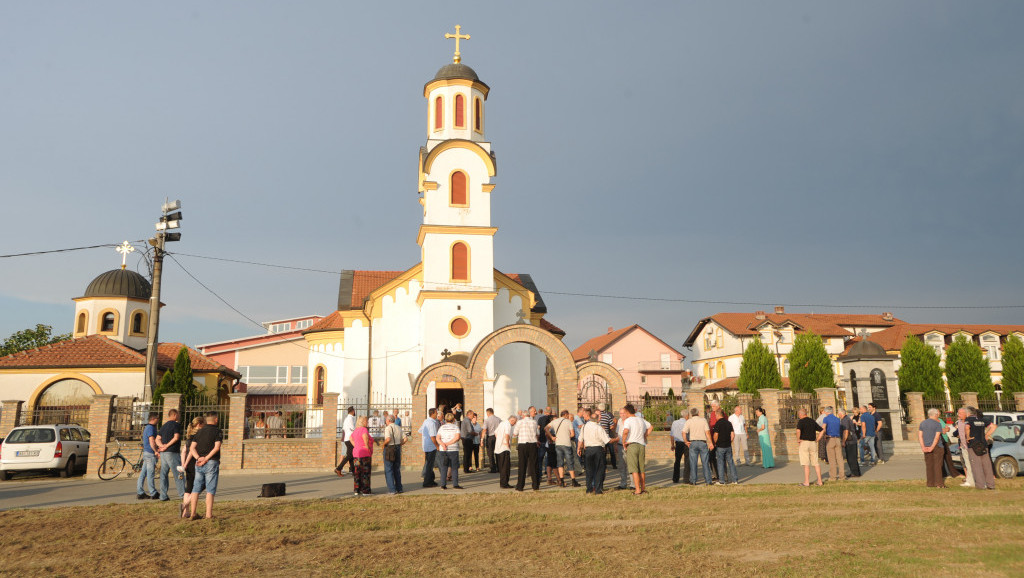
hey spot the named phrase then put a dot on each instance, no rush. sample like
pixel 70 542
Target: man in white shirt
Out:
pixel 503 450
pixel 739 442
pixel 347 427
pixel 635 430
pixel 560 434
pixel 591 445
pixel 526 431
pixel 678 445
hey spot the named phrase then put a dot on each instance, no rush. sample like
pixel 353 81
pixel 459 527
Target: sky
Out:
pixel 811 154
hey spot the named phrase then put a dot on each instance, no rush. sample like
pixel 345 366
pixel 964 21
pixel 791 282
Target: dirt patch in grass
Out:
pixel 891 528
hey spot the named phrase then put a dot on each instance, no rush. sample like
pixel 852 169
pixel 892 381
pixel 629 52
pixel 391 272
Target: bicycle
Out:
pixel 115 464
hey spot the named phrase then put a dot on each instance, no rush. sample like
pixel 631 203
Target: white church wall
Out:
pixel 437 205
pixel 449 131
pixel 356 355
pixel 331 357
pixel 437 316
pixel 397 348
pixel 437 259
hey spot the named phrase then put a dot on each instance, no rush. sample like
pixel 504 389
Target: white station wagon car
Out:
pixel 63 448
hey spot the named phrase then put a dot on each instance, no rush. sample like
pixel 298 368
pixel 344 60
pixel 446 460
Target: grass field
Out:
pixel 882 529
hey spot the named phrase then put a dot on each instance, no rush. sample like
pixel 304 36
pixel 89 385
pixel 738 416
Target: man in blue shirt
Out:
pixel 148 461
pixel 428 432
pixel 867 440
pixel 834 445
pixel 577 423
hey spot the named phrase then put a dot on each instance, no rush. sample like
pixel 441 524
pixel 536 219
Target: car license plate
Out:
pixel 27 454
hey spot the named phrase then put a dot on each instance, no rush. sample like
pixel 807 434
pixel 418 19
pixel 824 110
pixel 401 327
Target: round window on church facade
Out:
pixel 459 327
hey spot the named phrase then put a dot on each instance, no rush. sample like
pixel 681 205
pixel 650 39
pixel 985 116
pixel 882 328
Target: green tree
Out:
pixel 166 386
pixel 759 369
pixel 30 339
pixel 919 369
pixel 809 364
pixel 1013 365
pixel 180 380
pixel 967 369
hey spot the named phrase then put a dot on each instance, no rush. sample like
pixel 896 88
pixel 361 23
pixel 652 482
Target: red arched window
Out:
pixel 320 385
pixel 460 262
pixel 460 111
pixel 438 113
pixel 459 189
pixel 478 115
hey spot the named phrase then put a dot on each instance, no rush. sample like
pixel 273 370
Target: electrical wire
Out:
pixel 67 250
pixel 260 325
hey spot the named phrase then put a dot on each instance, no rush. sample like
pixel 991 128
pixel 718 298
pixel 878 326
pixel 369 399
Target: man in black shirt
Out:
pixel 168 447
pixel 810 433
pixel 205 449
pixel 724 434
pixel 848 430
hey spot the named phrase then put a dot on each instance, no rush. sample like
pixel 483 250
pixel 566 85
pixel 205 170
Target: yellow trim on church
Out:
pixel 458 143
pixel 487 187
pixel 372 310
pixel 514 288
pixel 475 84
pixel 453 230
pixel 456 295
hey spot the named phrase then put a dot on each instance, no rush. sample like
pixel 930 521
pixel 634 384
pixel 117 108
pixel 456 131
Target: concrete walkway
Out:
pixel 46 492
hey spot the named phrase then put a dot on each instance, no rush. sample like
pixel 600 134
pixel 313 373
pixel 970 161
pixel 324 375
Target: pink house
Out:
pixel 647 364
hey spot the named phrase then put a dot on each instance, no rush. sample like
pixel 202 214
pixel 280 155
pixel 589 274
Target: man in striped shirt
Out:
pixel 526 431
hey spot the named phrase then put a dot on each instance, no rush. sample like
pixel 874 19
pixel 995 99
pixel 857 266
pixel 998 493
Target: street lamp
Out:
pixel 170 219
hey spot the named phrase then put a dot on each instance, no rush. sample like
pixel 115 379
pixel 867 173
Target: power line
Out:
pixel 260 325
pixel 67 250
pixel 660 299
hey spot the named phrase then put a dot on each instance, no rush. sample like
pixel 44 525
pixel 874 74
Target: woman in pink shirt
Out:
pixel 362 450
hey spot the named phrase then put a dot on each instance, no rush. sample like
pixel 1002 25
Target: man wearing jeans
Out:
pixel 698 437
pixel 491 423
pixel 393 468
pixel 428 433
pixel 868 427
pixel 205 449
pixel 148 461
pixel 678 446
pixel 559 432
pixel 168 443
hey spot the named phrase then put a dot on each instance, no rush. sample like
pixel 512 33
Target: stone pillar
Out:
pixel 99 431
pixel 969 398
pixel 231 449
pixel 695 399
pixel 329 431
pixel 826 396
pixel 1017 397
pixel 412 452
pixel 173 401
pixel 11 416
pixel 915 403
pixel 770 403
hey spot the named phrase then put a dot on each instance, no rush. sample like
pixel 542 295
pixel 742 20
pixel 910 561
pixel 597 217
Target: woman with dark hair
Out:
pixel 764 437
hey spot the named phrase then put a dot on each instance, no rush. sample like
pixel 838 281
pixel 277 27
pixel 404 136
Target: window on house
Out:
pixel 264 373
pixel 666 361
pixel 720 370
pixel 438 113
pixel 460 262
pixel 785 368
pixel 460 111
pixel 666 384
pixel 298 374
pixel 459 189
pixel 643 380
pixel 719 338
pixel 82 320
pixel 707 371
pixel 304 323
pixel 320 382
pixel 990 343
pixel 137 322
pixel 108 322
pixel 936 342
pixel 478 115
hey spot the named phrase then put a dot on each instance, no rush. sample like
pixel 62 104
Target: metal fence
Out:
pixel 285 421
pixel 191 412
pixel 129 417
pixel 376 408
pixel 993 405
pixel 790 404
pixel 940 403
pixel 76 414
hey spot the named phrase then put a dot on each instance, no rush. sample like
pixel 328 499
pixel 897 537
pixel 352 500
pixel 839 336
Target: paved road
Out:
pixel 46 492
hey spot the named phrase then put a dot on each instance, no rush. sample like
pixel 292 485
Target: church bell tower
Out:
pixel 456 171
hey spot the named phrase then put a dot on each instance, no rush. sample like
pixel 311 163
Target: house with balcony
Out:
pixel 647 363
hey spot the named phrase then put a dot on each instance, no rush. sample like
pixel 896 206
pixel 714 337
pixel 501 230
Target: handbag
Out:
pixel 390 452
pixel 979 447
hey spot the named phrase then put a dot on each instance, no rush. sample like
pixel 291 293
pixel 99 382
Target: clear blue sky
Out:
pixel 783 152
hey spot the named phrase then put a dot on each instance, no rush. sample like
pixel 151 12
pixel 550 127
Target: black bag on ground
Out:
pixel 272 490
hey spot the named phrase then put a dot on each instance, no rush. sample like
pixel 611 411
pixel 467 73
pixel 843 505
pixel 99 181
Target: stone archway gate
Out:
pixel 473 374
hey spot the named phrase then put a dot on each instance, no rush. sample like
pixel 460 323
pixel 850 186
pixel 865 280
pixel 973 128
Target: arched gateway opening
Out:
pixel 472 374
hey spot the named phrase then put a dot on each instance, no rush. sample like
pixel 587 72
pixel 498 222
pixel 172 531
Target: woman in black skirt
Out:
pixel 188 465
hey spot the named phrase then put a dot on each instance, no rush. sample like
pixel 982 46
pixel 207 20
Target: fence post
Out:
pixel 1018 397
pixel 969 398
pixel 329 433
pixel 770 403
pixel 231 450
pixel 826 396
pixel 915 405
pixel 11 416
pixel 695 399
pixel 99 431
pixel 173 401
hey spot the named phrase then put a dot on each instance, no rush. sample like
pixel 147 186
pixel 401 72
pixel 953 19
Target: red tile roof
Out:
pixel 602 342
pixel 549 326
pixel 823 324
pixel 892 339
pixel 332 321
pixel 101 351
pixel 366 282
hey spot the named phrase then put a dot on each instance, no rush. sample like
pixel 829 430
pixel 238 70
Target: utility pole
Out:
pixel 170 218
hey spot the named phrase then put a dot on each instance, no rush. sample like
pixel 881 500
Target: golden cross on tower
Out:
pixel 457 36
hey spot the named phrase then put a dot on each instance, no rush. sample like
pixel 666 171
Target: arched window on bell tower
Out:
pixel 439 113
pixel 459 189
pixel 460 111
pixel 82 326
pixel 478 115
pixel 460 262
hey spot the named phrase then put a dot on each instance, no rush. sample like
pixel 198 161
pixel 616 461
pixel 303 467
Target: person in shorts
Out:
pixel 635 430
pixel 810 433
pixel 205 449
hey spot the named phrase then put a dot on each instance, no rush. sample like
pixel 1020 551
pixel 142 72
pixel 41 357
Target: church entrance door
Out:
pixel 448 394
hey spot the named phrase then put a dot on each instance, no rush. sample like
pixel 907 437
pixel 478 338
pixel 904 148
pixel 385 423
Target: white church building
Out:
pixel 390 325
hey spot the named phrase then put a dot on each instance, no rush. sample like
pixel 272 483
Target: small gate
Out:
pixel 594 392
